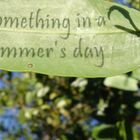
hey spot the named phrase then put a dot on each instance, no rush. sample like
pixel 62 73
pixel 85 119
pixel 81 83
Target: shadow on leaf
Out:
pixel 126 14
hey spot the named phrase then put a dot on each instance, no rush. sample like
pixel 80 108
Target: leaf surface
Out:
pixel 122 82
pixel 93 38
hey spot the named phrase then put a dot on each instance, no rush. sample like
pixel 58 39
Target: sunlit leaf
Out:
pixel 122 82
pixel 93 38
pixel 136 74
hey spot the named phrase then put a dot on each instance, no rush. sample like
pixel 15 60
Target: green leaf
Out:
pixel 137 105
pixel 29 97
pixel 103 132
pixel 122 82
pixel 81 38
pixel 136 74
pixel 42 92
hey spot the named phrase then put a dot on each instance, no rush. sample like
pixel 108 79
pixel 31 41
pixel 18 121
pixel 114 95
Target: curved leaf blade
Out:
pixel 107 45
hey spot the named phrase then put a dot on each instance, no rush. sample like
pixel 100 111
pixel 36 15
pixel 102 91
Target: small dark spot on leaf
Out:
pixel 30 65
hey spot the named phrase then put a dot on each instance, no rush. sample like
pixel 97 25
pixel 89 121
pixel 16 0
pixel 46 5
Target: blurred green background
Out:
pixel 40 107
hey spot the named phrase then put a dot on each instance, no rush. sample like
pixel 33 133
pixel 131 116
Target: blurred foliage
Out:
pixel 40 107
